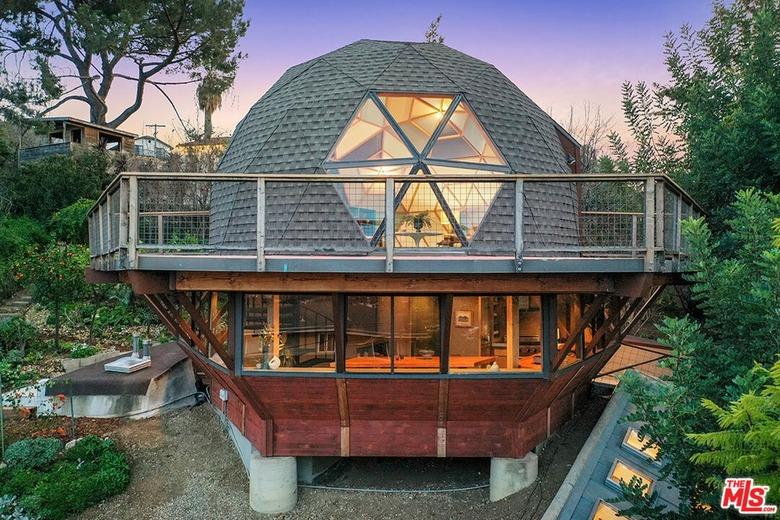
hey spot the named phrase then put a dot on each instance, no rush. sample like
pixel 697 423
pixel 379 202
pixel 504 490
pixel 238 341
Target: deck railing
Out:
pixel 448 223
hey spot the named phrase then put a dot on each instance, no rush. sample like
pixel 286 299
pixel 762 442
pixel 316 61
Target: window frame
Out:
pixel 599 503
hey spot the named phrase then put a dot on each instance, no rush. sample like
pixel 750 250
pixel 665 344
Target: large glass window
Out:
pixel 496 333
pixel 605 511
pixel 418 116
pixel 569 312
pixel 289 331
pixel 641 446
pixel 369 136
pixel 215 310
pixel 392 334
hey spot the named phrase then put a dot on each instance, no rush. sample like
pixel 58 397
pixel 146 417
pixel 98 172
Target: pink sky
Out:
pixel 561 54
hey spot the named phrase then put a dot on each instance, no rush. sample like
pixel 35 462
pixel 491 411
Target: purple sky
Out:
pixel 560 53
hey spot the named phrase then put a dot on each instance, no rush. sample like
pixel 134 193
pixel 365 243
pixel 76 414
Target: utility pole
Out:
pixel 155 127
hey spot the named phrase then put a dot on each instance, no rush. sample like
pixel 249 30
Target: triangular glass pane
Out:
pixel 417 116
pixel 369 136
pixel 420 221
pixel 464 139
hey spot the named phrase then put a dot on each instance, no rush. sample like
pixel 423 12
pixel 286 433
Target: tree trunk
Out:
pixel 207 128
pixel 57 325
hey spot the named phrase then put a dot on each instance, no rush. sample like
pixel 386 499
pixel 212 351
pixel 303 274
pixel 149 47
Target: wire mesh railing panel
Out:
pixel 671 219
pixel 105 223
pixel 174 214
pixel 612 215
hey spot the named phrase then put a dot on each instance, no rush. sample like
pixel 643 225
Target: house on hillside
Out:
pixel 64 134
pixel 150 146
pixel 398 257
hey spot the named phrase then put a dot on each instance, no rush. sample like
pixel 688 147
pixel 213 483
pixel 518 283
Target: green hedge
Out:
pixel 93 470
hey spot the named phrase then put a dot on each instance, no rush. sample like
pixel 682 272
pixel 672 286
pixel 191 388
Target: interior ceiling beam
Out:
pixel 394 283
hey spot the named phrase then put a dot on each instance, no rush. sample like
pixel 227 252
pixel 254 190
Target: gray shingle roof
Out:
pixel 295 124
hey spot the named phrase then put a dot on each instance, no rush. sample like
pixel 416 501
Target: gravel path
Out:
pixel 184 466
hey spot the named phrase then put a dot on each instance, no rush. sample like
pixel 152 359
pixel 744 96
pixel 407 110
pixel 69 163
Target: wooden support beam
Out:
pixel 395 283
pixel 146 282
pixel 571 341
pixel 206 331
pixel 607 326
pixel 161 313
pixel 343 400
pixel 441 422
pixel 185 328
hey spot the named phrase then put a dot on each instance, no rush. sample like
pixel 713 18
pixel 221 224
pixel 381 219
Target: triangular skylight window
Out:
pixel 418 116
pixel 369 136
pixel 464 139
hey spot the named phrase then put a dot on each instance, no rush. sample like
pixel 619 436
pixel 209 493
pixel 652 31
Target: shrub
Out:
pixel 93 470
pixel 42 187
pixel 70 223
pixel 11 509
pixel 82 350
pixel 32 453
pixel 18 334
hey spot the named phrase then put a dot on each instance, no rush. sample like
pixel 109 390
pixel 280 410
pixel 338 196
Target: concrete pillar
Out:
pixel 273 483
pixel 508 476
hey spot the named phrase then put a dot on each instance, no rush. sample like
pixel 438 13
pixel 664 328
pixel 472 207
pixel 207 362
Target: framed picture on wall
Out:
pixel 463 318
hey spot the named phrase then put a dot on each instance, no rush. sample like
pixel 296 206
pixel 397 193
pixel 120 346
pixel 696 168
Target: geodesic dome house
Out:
pixel 394 108
pixel 398 257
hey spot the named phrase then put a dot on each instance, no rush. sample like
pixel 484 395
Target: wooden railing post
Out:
pixel 260 224
pixel 389 223
pixel 650 223
pixel 123 222
pixel 519 239
pixel 132 220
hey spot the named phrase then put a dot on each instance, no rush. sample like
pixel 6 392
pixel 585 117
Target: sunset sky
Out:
pixel 560 53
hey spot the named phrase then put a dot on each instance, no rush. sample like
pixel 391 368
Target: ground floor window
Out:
pixel 392 334
pixel 412 333
pixel 284 331
pixel 496 333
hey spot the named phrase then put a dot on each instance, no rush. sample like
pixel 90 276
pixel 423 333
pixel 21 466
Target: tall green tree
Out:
pixel 432 34
pixel 99 43
pixel 738 291
pixel 715 125
pixel 209 95
pixel 747 441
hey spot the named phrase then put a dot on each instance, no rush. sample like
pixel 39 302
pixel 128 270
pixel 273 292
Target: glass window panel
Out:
pixel 416 333
pixel 387 333
pixel 469 202
pixel 215 311
pixel 369 321
pixel 604 511
pixel 496 333
pixel 641 446
pixel 464 139
pixel 418 116
pixel 622 472
pixel 369 136
pixel 288 332
pixel 569 312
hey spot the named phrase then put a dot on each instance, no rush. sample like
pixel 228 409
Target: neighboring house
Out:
pixel 396 258
pixel 64 134
pixel 612 453
pixel 150 146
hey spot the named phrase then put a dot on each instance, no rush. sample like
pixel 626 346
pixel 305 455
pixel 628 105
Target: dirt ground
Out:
pixel 184 466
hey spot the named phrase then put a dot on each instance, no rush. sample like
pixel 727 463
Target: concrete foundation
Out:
pixel 508 476
pixel 273 483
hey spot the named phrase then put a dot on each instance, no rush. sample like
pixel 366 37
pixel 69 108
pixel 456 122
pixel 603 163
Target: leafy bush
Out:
pixel 93 470
pixel 16 236
pixel 70 223
pixel 32 453
pixel 82 350
pixel 42 187
pixel 10 509
pixel 18 334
